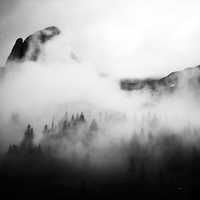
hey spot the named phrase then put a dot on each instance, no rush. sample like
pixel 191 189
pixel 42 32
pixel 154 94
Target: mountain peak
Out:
pixel 31 47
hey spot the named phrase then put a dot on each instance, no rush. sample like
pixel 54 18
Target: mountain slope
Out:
pixel 31 47
pixel 190 76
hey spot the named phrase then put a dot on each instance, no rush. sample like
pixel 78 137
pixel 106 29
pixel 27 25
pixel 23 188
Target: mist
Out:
pixel 79 71
pixel 131 38
pixel 38 92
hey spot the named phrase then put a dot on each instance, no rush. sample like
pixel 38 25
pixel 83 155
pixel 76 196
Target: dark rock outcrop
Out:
pixel 31 47
pixel 17 51
pixel 168 83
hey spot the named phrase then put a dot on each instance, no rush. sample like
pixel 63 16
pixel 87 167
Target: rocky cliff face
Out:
pixel 169 81
pixel 31 47
pixel 188 76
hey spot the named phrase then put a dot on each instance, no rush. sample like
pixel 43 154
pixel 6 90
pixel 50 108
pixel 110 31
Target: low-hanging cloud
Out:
pixel 132 39
pixel 36 92
pixel 122 38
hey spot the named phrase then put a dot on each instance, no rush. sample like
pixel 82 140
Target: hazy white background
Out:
pixel 117 37
pixel 120 37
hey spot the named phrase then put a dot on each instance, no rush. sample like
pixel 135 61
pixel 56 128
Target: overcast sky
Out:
pixel 121 37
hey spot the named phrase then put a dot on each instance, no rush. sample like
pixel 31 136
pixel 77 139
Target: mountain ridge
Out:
pixel 169 82
pixel 31 47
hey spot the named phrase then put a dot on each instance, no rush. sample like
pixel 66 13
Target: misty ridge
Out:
pixel 90 118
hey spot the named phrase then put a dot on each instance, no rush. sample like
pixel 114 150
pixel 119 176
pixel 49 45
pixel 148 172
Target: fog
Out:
pixel 42 91
pixel 79 71
pixel 122 38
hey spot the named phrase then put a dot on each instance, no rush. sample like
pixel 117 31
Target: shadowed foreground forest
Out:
pixel 162 166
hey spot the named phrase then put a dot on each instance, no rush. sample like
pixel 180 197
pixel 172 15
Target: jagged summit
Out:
pixel 30 48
